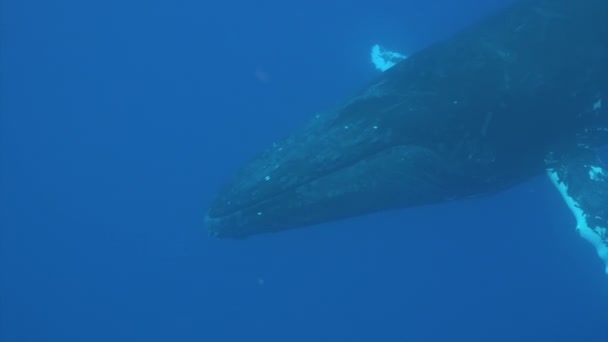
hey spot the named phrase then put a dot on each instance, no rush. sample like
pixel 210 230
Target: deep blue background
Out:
pixel 119 122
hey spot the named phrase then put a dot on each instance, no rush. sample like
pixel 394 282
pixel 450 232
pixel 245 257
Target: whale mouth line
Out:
pixel 329 172
pixel 395 176
pixel 227 223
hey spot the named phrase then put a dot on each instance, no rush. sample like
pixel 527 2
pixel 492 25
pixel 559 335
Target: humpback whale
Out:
pixel 519 94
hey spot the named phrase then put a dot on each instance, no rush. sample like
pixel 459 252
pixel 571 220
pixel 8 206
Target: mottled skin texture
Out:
pixel 468 116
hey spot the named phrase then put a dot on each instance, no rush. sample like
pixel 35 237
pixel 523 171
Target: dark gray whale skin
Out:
pixel 470 115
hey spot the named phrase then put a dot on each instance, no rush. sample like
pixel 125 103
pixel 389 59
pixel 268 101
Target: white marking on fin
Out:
pixel 597 237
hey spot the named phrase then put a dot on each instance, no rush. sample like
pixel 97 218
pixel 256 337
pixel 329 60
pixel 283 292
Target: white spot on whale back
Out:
pixel 384 59
pixel 596 237
pixel 597 105
pixel 595 172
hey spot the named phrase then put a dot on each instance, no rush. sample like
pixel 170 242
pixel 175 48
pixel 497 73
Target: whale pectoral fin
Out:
pixel 582 180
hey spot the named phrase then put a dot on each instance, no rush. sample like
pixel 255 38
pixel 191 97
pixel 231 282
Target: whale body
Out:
pixel 521 93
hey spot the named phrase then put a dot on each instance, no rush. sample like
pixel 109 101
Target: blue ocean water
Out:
pixel 121 119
